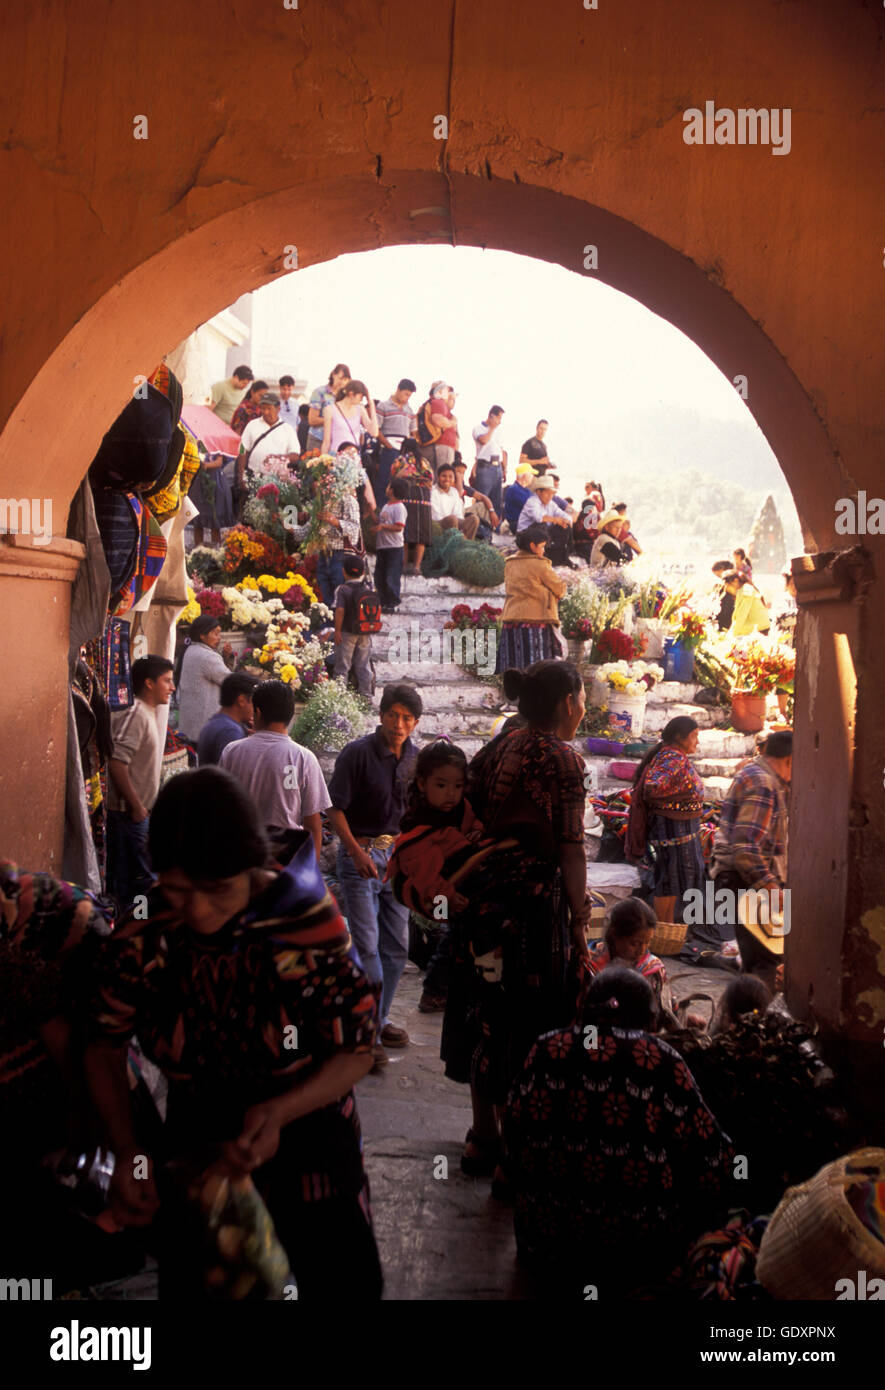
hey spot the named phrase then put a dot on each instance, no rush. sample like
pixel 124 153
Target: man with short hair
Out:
pixel 229 723
pixel 489 473
pixel 266 437
pixel 139 739
pixel 396 420
pixel 288 404
pixel 249 407
pixel 447 507
pixel 369 788
pixel 475 503
pixel 226 395
pixel 750 846
pixel 282 778
pixel 534 450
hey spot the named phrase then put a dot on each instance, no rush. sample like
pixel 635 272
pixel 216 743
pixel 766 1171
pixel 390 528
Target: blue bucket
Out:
pixel 678 661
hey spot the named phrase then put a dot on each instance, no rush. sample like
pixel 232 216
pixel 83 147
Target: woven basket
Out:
pixel 669 938
pixel 814 1238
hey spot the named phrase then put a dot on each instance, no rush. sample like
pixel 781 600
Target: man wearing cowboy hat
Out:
pixel 608 549
pixel 750 853
pixel 542 508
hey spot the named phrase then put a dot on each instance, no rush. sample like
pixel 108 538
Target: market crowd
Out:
pixel 236 972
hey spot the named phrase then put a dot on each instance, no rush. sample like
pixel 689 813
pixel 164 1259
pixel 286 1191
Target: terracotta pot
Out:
pixel 747 711
pixel 782 701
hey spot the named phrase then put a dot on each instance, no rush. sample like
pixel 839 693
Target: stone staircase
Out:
pixel 465 707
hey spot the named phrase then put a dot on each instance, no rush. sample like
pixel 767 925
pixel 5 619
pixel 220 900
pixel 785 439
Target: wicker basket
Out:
pixel 814 1238
pixel 669 938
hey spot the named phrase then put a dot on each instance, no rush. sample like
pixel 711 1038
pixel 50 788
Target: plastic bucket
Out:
pixel 627 714
pixel 678 661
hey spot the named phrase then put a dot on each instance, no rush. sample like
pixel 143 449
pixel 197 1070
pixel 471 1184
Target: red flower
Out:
pixel 703 1122
pixel 540 1105
pixel 666 1176
pixel 646 1054
pixel 635 1173
pixel 594 1168
pixel 653 1115
pixel 682 1076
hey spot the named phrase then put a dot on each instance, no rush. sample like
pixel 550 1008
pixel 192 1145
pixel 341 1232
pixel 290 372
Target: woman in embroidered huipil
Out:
pixel 665 816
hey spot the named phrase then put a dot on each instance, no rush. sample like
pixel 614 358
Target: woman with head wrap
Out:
pixel 201 670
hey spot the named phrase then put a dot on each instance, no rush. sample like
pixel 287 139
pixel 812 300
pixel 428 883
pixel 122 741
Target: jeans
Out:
pixel 385 463
pixel 378 924
pixel 330 573
pixel 355 649
pixel 129 868
pixel 490 480
pixel 388 573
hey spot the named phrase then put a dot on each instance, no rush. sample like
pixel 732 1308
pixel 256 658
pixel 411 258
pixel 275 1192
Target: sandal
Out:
pixel 483 1164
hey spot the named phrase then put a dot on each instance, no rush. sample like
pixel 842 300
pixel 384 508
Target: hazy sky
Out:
pixel 503 329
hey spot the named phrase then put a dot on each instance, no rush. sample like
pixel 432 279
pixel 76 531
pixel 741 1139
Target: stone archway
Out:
pixel 115 250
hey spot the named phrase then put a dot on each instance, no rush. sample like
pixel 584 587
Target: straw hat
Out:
pixel 542 484
pixel 611 516
pixel 770 934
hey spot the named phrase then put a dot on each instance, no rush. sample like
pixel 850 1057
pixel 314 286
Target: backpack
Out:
pixel 426 432
pixel 362 609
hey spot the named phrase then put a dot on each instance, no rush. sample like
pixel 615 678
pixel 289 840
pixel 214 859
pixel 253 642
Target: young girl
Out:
pixel 440 838
pixel 631 926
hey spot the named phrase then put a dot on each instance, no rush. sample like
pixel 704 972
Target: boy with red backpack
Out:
pixel 357 615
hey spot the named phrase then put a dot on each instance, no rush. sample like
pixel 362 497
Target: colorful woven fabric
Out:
pixel 114 670
pixel 722 1264
pixel 166 501
pixel 150 557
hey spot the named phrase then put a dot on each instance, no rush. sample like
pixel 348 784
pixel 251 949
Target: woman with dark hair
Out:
pixel 242 988
pixel 530 621
pixel 417 473
pixel 199 674
pixel 320 398
pixel 665 817
pixel 615 1160
pixel 348 417
pixel 626 941
pixel 528 902
pixel 751 612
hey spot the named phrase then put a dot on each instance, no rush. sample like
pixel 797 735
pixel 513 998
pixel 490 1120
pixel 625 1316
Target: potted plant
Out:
pixel 647 603
pixel 761 665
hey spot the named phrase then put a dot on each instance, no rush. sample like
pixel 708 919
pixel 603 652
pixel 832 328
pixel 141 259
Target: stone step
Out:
pixel 656 716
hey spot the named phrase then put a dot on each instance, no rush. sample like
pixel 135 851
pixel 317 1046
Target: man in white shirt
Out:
pixel 447 506
pixel 288 402
pixel 490 470
pixel 267 436
pixel 542 508
pixel 282 778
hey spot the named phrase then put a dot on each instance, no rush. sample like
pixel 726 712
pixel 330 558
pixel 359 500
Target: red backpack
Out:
pixel 362 608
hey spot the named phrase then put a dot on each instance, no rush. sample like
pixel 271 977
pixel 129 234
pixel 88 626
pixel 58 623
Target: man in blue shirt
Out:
pixel 516 495
pixel 230 722
pixel 368 790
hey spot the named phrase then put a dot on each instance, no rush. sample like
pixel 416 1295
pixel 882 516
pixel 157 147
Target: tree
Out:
pixel 767 551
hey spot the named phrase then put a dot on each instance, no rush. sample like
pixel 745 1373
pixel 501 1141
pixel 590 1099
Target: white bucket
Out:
pixel 655 629
pixel 627 713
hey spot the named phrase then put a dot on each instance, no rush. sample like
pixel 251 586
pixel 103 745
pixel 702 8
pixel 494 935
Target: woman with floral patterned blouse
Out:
pixel 615 1161
pixel 238 979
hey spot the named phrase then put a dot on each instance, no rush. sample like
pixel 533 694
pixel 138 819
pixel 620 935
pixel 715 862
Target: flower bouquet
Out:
pixel 191 609
pixel 244 548
pixel 331 717
pixel 763 664
pixel 688 627
pixel 613 645
pixel 629 677
pixel 248 608
pixel 331 480
pixel 464 617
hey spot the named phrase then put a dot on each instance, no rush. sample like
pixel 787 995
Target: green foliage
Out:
pixel 437 556
pixel 332 717
pixel 204 564
pixel 477 564
pixel 587 600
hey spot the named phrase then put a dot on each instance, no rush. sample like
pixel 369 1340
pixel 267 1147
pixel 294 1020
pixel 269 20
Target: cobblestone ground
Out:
pixel 444 1238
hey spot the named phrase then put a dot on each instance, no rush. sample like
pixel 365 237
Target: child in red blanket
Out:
pixel 441 841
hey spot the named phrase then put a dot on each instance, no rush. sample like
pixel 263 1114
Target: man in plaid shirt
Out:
pixel 750 848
